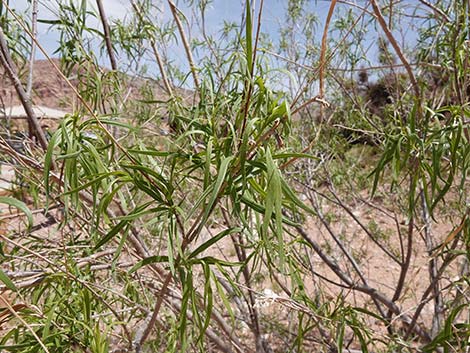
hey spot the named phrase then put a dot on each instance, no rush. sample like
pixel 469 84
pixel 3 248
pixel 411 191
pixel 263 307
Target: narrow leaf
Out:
pixel 20 205
pixel 148 261
pixel 7 281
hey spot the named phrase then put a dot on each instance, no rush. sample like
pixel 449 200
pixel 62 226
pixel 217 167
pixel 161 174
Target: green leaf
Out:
pixel 340 333
pixel 158 180
pixel 212 241
pixel 274 204
pixel 225 300
pixel 261 209
pixel 292 197
pixel 48 161
pixel 50 22
pixel 294 155
pixel 94 181
pixel 118 227
pixel 210 260
pixel 207 167
pixel 148 261
pixel 216 188
pixel 152 101
pixel 71 155
pixel 132 216
pixel 10 201
pixel 7 281
pixel 208 301
pixel 188 289
pixel 249 37
pixel 280 111
pixel 151 152
pixel 115 230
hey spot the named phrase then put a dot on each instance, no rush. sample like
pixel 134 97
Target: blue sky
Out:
pixel 218 12
pixel 274 13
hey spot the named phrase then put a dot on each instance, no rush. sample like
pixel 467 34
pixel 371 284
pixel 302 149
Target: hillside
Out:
pixel 51 90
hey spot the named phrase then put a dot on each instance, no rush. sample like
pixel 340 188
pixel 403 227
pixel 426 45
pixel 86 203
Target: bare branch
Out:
pixel 156 52
pixel 9 66
pixel 436 10
pixel 372 292
pixel 175 12
pixel 34 31
pixel 107 35
pixel 397 48
pixel 323 52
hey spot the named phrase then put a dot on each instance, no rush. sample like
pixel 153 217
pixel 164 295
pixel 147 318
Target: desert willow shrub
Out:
pixel 157 196
pixel 221 163
pixel 421 175
pixel 194 224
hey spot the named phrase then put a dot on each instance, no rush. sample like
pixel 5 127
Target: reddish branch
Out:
pixel 107 35
pixel 8 65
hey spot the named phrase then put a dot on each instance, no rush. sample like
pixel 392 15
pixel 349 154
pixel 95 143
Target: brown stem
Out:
pixel 255 326
pixel 249 83
pixel 319 67
pixel 395 46
pixel 218 65
pixel 433 269
pixel 156 52
pixel 407 260
pixel 139 341
pixel 213 336
pixel 107 35
pixel 445 263
pixel 343 249
pixel 372 292
pixel 404 264
pixel 436 10
pixel 240 250
pixel 323 52
pixel 79 97
pixel 34 23
pixel 371 236
pixel 7 63
pixel 189 55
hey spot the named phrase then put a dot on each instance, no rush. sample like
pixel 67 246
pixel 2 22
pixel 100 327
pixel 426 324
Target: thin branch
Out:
pixel 213 336
pixel 33 165
pixel 189 55
pixel 249 82
pixel 82 101
pixel 372 292
pixel 436 10
pixel 323 52
pixel 318 68
pixel 107 35
pixel 142 336
pixel 397 48
pixel 240 250
pixel 432 268
pixel 343 249
pixel 7 63
pixel 63 268
pixel 406 258
pixel 18 316
pixel 258 30
pixel 34 31
pixel 445 263
pixel 360 224
pixel 156 52
pixel 218 65
pixel 405 265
